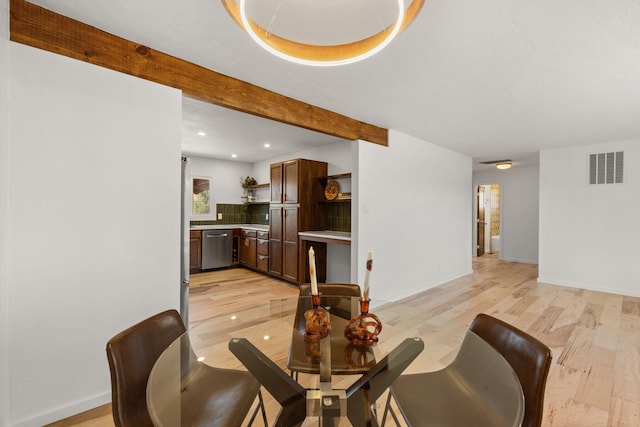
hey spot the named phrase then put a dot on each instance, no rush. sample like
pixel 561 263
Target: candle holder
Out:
pixel 364 329
pixel 317 324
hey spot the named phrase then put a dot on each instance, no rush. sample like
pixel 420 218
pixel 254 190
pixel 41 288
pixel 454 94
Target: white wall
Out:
pixel 589 234
pixel 225 178
pixel 415 212
pixel 4 215
pixel 519 192
pixel 94 224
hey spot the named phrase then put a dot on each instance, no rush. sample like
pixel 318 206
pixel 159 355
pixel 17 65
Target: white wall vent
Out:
pixel 606 168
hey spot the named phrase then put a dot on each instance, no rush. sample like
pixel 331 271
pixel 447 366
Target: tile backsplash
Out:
pixel 338 215
pixel 238 214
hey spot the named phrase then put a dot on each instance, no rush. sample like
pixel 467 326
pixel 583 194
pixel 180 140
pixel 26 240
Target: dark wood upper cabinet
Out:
pixel 276 183
pixel 290 180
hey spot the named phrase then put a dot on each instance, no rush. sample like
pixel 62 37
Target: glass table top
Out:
pixel 273 326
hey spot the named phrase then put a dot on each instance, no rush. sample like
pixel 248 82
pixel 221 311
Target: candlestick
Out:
pixel 366 295
pixel 312 272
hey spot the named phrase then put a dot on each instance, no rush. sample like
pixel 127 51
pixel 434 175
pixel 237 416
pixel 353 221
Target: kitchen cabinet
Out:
pixel 275 240
pixel 262 244
pixel 248 248
pixel 195 251
pixel 295 192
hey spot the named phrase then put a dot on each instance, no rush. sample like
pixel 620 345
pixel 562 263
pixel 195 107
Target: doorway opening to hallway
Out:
pixel 488 220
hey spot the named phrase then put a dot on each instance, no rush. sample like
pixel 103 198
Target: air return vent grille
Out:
pixel 606 168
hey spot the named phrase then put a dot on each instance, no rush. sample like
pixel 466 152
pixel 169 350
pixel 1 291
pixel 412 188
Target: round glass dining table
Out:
pixel 275 328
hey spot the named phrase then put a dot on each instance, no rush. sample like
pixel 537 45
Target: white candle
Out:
pixel 312 272
pixel 366 274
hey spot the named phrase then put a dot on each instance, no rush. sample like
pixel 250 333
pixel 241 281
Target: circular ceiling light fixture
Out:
pixel 323 32
pixel 504 165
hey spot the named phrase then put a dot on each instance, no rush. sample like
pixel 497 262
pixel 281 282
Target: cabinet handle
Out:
pixel 216 235
pixel 246 242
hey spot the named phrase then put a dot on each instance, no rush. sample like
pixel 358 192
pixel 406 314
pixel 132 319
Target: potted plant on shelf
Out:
pixel 247 183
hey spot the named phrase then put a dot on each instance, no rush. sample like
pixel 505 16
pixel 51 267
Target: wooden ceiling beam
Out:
pixel 44 29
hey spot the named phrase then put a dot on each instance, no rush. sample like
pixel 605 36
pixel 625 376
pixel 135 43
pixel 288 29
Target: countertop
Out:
pixel 326 234
pixel 258 227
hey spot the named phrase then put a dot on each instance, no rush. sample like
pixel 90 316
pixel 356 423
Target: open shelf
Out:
pixel 342 200
pixel 259 186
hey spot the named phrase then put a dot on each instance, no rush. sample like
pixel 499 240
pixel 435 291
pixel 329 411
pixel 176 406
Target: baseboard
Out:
pixel 523 261
pixel 423 288
pixel 588 287
pixel 65 412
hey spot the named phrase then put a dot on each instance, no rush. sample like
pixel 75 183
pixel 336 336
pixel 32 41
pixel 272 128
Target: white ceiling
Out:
pixel 229 132
pixel 490 79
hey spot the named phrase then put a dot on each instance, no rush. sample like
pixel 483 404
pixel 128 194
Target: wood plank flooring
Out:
pixel 595 337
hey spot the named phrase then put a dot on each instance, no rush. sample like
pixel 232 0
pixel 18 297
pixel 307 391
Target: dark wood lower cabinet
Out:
pixel 248 250
pixel 263 251
pixel 290 243
pixel 195 251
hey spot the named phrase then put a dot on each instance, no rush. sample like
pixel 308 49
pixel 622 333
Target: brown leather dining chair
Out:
pixel 443 397
pixel 224 396
pixel 529 358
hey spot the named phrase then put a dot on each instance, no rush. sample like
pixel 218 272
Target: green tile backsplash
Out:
pixel 338 215
pixel 238 214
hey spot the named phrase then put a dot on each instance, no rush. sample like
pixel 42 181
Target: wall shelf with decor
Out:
pixel 334 186
pixel 251 194
pixel 336 197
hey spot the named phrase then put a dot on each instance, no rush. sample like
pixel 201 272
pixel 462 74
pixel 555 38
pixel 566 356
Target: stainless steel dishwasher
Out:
pixel 216 249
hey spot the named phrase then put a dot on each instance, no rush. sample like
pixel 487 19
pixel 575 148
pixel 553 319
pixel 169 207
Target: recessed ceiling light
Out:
pixel 267 145
pixel 201 133
pixel 234 155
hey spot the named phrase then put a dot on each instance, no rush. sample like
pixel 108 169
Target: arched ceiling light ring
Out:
pixel 323 55
pixel 410 13
pixel 255 30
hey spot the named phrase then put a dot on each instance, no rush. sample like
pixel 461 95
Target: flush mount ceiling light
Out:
pixel 500 164
pixel 323 32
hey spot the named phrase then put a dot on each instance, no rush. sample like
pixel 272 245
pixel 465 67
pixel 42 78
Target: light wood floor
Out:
pixel 595 337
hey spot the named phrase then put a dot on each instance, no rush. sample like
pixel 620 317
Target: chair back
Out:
pixel 131 355
pixel 529 358
pixel 331 294
pixel 337 289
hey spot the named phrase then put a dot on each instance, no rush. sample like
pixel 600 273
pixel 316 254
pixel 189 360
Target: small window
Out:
pixel 201 201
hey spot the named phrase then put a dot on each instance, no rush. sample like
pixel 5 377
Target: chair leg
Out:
pixel 259 406
pixel 264 413
pixel 389 409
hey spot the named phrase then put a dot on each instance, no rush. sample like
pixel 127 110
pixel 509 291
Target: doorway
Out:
pixel 488 220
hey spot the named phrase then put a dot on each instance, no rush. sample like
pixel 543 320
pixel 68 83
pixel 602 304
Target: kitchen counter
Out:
pixel 326 236
pixel 258 227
